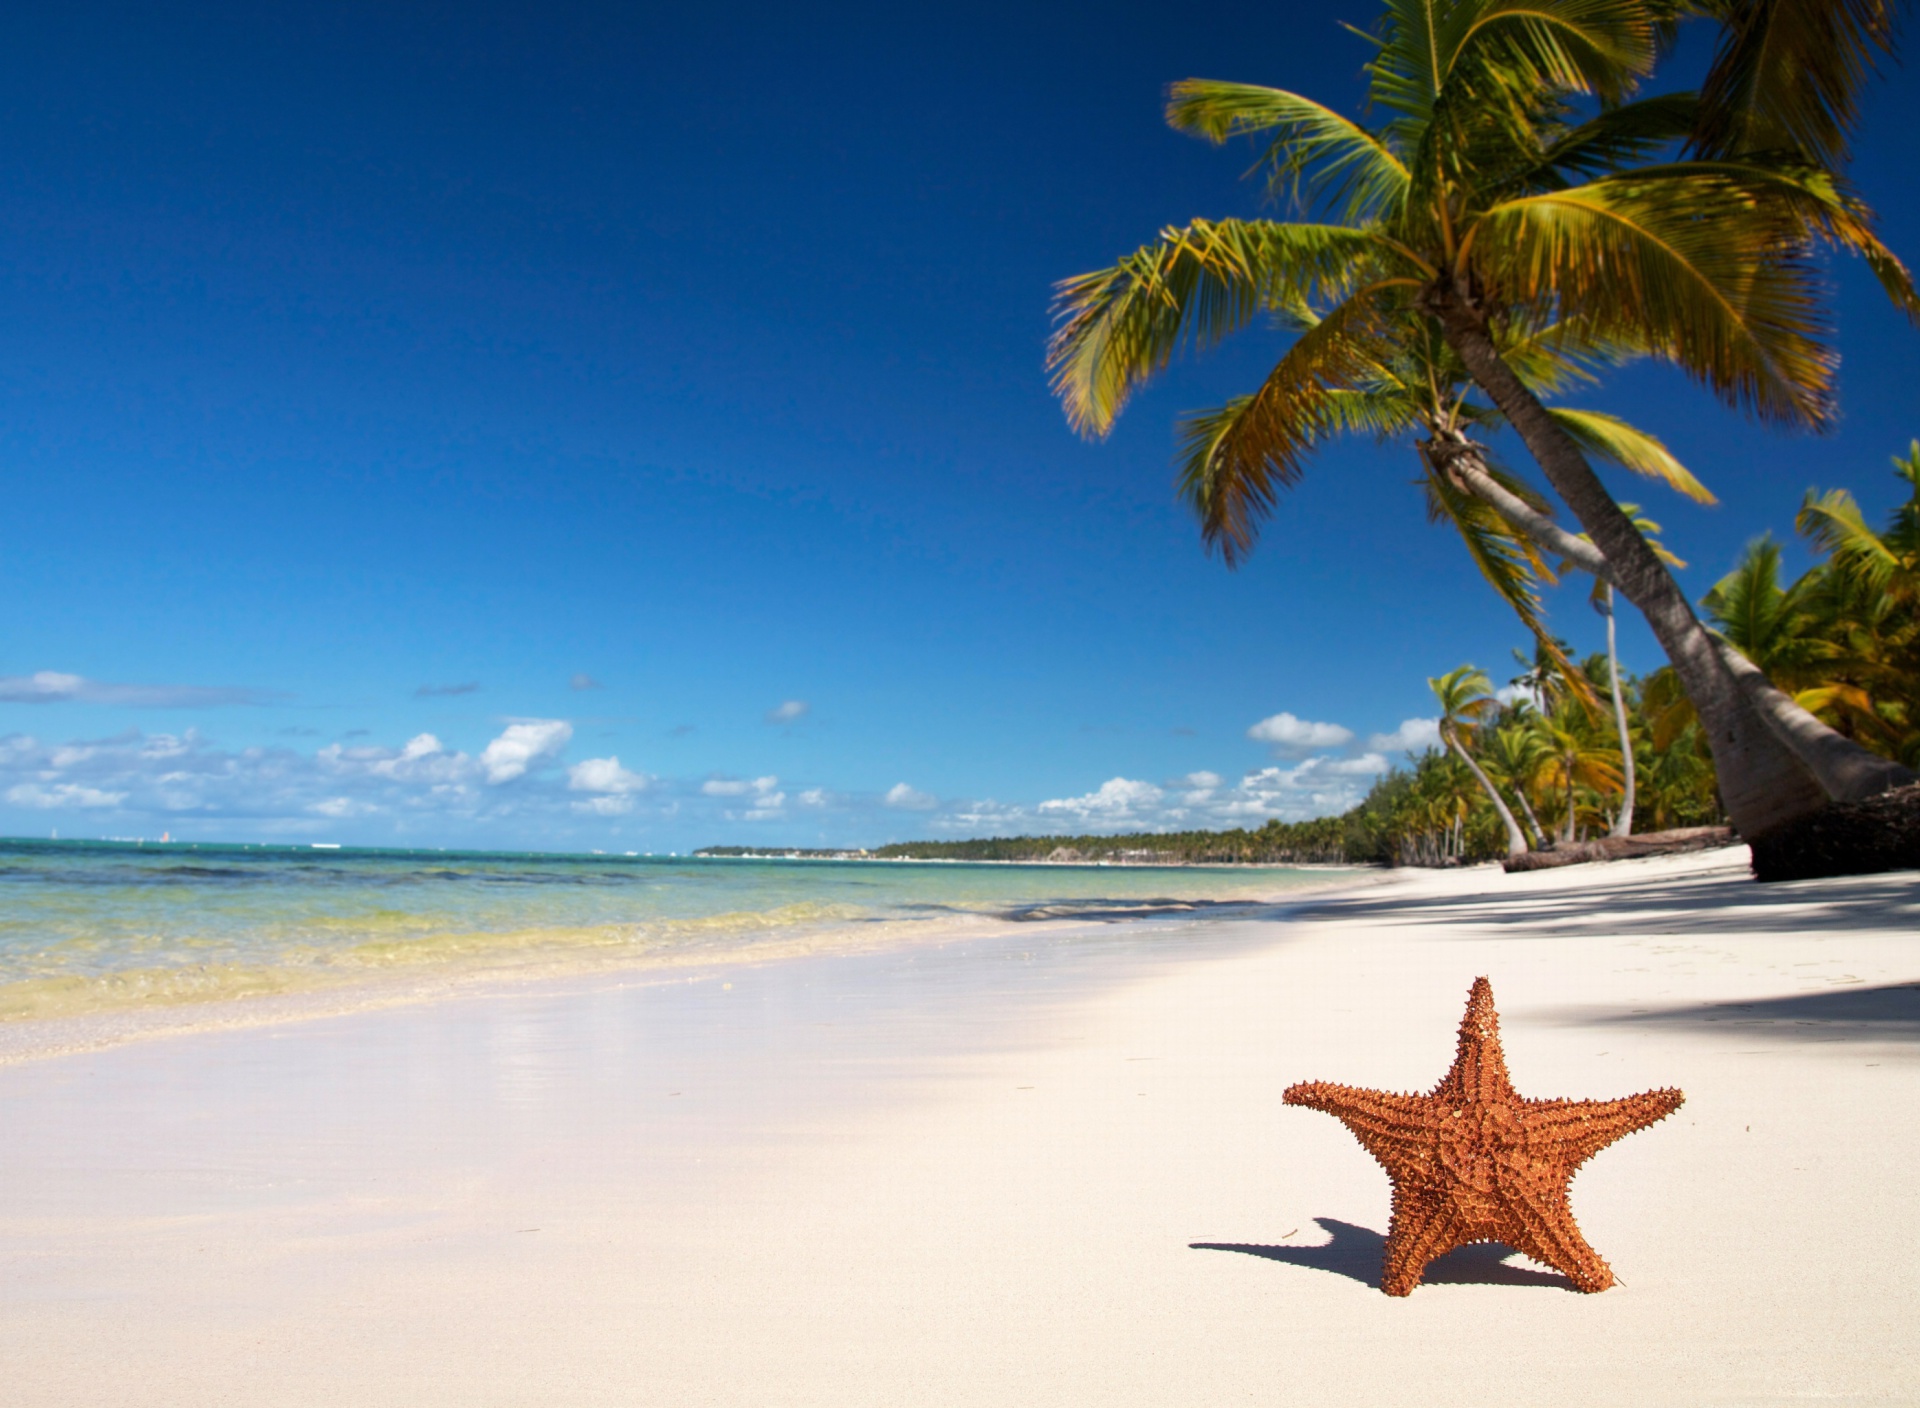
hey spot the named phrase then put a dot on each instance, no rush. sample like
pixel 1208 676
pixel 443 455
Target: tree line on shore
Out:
pixel 1563 755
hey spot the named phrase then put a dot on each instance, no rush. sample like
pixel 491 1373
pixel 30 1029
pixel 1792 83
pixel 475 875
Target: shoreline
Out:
pixel 1050 1165
pixel 337 992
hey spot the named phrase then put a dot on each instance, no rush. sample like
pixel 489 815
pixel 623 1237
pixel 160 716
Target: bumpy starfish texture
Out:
pixel 1475 1162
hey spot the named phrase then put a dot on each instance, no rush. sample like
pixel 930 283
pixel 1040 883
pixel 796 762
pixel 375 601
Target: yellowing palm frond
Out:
pixel 1118 327
pixel 1610 438
pixel 1233 461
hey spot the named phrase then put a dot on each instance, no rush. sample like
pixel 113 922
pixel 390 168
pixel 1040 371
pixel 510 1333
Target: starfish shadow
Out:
pixel 1357 1253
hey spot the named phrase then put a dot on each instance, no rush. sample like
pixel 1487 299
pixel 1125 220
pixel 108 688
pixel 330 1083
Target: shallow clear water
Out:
pixel 91 925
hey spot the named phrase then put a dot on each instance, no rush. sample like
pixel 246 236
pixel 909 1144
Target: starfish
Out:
pixel 1474 1162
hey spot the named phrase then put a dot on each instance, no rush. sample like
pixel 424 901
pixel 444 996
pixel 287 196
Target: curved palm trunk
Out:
pixel 1622 824
pixel 1847 771
pixel 1762 783
pixel 1533 821
pixel 1516 840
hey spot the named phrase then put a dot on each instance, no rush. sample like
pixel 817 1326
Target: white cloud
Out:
pixel 62 794
pixel 1518 693
pixel 815 797
pixel 608 804
pixel 583 681
pixel 737 786
pixel 339 808
pixel 787 712
pixel 1118 799
pixel 1291 737
pixel 55 687
pixel 1412 735
pixel 523 746
pixel 909 798
pixel 766 807
pixel 604 775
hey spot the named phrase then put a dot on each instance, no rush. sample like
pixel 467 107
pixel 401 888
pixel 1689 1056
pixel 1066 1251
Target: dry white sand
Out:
pixel 1039 1170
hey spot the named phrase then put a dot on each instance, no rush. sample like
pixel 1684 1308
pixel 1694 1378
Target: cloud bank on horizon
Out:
pixel 521 782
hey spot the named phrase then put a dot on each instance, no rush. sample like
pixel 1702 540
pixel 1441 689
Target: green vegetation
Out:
pixel 1321 841
pixel 1519 218
pixel 1844 638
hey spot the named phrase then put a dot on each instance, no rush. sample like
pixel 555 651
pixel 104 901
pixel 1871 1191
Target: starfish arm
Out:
pixel 1575 1130
pixel 1393 1128
pixel 1540 1223
pixel 1423 1227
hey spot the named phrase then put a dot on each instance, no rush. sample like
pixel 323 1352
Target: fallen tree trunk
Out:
pixel 1651 843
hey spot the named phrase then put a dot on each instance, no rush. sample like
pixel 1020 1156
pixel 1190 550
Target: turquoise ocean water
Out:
pixel 93 926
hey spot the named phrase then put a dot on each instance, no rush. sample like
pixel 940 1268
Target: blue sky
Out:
pixel 620 426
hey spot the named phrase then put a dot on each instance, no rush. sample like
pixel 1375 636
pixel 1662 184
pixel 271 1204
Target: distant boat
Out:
pixel 326 845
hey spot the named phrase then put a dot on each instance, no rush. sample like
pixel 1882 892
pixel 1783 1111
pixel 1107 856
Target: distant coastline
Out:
pixel 1320 842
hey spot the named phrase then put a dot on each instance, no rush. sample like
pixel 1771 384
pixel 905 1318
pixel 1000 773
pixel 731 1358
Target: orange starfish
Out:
pixel 1474 1162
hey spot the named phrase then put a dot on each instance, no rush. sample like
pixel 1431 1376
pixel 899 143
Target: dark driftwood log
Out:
pixel 1653 843
pixel 1847 838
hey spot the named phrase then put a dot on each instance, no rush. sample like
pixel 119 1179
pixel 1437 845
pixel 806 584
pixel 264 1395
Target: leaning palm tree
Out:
pixel 1480 204
pixel 1466 700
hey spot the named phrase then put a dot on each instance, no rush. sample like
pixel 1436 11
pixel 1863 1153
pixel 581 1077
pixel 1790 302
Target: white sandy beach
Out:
pixel 1046 1168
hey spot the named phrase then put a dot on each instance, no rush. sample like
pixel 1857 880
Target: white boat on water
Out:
pixel 325 845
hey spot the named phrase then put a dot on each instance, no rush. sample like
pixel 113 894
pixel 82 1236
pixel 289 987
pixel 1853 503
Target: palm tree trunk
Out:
pixel 1516 841
pixel 1623 823
pixel 1762 783
pixel 1533 821
pixel 1844 769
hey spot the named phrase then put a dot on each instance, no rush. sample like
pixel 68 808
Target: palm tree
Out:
pixel 1576 758
pixel 1844 638
pixel 1478 207
pixel 1466 699
pixel 1603 603
pixel 1516 754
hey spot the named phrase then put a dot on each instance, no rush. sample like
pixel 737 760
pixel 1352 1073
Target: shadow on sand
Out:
pixel 1356 1253
pixel 1703 904
pixel 1890 1013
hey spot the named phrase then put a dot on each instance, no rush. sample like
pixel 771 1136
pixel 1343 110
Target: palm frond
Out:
pixel 1508 560
pixel 1117 327
pixel 1233 461
pixel 1706 271
pixel 1833 523
pixel 1611 438
pixel 1602 47
pixel 1787 75
pixel 1616 138
pixel 1314 155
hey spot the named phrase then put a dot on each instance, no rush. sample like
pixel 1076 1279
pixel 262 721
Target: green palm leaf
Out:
pixel 1315 155
pixel 1787 75
pixel 1706 270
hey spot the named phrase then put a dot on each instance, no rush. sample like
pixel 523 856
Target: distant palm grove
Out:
pixel 1564 757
